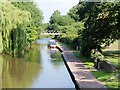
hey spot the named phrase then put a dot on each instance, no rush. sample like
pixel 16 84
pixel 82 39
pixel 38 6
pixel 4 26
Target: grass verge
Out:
pixel 110 80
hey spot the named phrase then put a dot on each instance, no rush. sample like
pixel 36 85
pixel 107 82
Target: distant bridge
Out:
pixel 50 33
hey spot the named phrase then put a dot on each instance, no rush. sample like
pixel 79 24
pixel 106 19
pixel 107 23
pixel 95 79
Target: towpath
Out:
pixel 82 75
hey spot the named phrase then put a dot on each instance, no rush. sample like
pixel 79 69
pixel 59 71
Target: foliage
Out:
pixel 72 13
pixel 57 20
pixel 33 28
pixel 68 26
pixel 8 22
pixel 43 27
pixel 101 25
pixel 52 28
pixel 19 26
pixel 97 25
pixel 55 17
pixel 71 32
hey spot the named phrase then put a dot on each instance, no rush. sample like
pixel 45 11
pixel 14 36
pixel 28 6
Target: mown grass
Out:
pixel 110 80
pixel 111 53
pixel 113 57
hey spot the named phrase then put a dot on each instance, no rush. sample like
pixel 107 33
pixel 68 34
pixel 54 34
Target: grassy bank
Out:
pixel 110 80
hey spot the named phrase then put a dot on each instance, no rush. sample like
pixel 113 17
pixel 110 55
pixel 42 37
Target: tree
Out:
pixel 58 20
pixel 19 22
pixel 52 28
pixel 55 17
pixel 33 28
pixel 8 22
pixel 101 25
pixel 73 13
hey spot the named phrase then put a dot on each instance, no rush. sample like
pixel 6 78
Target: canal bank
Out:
pixel 81 76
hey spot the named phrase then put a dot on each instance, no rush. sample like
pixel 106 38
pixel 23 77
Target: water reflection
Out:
pixel 40 68
pixel 33 54
pixel 20 73
pixel 55 57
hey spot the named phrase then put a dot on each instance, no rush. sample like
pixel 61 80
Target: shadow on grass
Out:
pixel 111 53
pixel 101 75
pixel 107 78
pixel 81 58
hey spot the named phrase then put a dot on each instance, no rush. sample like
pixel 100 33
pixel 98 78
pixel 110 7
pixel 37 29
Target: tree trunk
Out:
pixel 86 51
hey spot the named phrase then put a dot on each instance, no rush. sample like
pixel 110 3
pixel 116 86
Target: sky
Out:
pixel 49 6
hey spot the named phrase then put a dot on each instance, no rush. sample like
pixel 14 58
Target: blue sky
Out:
pixel 49 6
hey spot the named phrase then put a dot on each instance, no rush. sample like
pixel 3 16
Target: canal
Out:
pixel 41 67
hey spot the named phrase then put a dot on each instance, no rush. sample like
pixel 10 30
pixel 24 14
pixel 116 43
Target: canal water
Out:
pixel 41 67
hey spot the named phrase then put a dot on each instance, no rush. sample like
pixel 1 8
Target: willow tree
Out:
pixel 18 26
pixel 11 18
pixel 33 28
